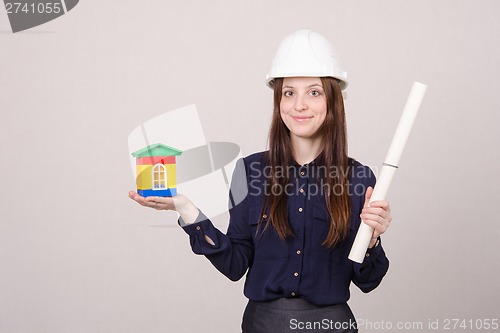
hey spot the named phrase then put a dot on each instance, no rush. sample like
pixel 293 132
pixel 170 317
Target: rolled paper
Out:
pixel 365 232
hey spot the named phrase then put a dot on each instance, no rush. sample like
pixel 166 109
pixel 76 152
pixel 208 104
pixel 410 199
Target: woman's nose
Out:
pixel 300 104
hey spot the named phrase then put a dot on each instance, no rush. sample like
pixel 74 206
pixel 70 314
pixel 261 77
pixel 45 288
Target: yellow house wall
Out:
pixel 144 178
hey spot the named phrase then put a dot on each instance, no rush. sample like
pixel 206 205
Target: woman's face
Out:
pixel 303 106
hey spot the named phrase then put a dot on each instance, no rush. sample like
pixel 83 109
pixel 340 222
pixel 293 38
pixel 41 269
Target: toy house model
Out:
pixel 156 170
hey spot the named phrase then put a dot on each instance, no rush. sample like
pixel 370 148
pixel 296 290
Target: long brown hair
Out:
pixel 333 157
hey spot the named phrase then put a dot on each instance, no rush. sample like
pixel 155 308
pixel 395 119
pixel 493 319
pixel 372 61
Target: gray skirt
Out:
pixel 297 315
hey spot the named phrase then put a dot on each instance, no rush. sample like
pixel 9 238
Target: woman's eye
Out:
pixel 315 93
pixel 288 93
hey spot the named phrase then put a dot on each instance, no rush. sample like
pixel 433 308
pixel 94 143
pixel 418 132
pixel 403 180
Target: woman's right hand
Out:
pixel 179 203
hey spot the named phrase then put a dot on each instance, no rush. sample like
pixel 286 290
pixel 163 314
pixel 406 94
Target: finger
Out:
pixel 377 211
pixel 153 202
pixel 374 210
pixel 136 197
pixel 372 217
pixel 132 195
pixel 153 199
pixel 143 201
pixel 161 203
pixel 378 228
pixel 368 195
pixel 384 204
pixel 376 233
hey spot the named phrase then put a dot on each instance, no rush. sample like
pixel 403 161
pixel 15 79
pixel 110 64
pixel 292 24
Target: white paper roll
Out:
pixel 405 123
pixel 389 167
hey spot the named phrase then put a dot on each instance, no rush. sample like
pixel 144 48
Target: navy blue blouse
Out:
pixel 300 266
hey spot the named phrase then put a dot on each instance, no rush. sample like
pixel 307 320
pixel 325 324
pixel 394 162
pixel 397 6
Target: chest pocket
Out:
pixel 321 227
pixel 268 245
pixel 321 223
pixel 254 216
pixel 321 214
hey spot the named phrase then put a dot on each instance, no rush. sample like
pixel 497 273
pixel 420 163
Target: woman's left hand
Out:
pixel 377 215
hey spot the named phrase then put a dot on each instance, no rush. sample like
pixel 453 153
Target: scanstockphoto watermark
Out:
pixel 258 170
pixel 430 325
pixel 294 187
pixel 309 181
pixel 383 325
pixel 324 324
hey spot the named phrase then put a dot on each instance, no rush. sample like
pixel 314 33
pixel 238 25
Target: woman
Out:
pixel 296 207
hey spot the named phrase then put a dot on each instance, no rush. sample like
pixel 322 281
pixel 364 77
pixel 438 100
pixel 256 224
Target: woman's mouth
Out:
pixel 301 118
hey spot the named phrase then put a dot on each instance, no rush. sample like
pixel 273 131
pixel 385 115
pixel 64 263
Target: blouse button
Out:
pixel 292 294
pixel 198 228
pixel 296 274
pixel 300 209
pixel 298 251
pixel 301 190
pixel 264 216
pixel 302 173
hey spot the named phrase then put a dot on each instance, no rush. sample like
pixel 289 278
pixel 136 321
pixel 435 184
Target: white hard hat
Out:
pixel 306 53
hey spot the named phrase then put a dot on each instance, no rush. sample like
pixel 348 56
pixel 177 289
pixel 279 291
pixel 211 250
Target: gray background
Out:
pixel 76 255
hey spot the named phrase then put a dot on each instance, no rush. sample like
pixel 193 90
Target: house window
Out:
pixel 159 177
